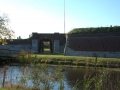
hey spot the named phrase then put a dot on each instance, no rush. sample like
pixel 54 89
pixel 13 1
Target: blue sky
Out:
pixel 47 16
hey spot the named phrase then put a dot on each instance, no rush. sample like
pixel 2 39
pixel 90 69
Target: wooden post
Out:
pixel 95 62
pixel 4 75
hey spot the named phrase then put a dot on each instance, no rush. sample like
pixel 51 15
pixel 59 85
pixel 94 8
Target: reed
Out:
pixel 40 77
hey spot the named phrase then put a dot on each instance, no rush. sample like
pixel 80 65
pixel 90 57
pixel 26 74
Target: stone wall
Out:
pixel 70 52
pixel 15 48
pixel 102 45
pixel 56 46
pixel 35 45
pixel 61 48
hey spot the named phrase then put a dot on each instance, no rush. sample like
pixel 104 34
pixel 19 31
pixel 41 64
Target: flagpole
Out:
pixel 64 16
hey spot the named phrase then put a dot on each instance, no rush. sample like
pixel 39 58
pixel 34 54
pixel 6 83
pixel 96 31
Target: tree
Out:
pixel 5 31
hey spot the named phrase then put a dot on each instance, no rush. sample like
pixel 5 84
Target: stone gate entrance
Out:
pixel 41 44
pixel 56 42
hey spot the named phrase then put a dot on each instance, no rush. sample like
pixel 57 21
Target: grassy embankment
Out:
pixel 60 59
pixel 79 60
pixel 110 29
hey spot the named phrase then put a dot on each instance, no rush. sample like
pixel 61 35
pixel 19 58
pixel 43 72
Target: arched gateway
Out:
pixel 55 42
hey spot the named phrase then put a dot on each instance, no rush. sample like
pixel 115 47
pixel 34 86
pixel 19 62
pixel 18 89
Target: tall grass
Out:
pixel 41 77
pixel 106 80
pixel 38 76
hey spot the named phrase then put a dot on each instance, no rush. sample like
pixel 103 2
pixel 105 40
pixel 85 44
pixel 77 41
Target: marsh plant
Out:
pixel 40 77
pixel 37 76
pixel 25 57
pixel 106 80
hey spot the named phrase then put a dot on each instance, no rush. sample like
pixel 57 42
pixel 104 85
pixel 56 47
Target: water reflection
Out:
pixel 78 74
pixel 71 75
pixel 12 75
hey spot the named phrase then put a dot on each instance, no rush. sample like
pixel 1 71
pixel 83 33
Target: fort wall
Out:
pixel 57 41
pixel 97 44
pixel 35 43
pixel 16 46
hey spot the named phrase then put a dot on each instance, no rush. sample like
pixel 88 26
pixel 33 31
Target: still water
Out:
pixel 71 75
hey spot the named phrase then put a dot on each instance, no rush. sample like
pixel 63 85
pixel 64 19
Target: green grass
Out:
pixel 46 49
pixel 77 60
pixel 49 54
pixel 60 59
pixel 95 30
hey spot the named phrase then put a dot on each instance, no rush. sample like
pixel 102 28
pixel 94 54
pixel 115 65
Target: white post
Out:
pixel 64 16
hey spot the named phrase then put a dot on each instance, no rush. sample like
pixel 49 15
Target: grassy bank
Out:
pixel 79 60
pixel 110 29
pixel 105 80
pixel 59 59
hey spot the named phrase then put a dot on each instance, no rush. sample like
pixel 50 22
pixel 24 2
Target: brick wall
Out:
pixel 99 42
pixel 91 44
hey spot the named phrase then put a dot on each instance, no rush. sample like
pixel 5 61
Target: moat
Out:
pixel 71 75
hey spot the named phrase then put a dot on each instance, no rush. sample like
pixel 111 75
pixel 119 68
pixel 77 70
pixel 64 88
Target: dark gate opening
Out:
pixel 45 46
